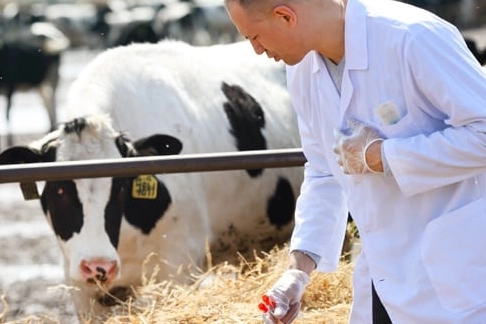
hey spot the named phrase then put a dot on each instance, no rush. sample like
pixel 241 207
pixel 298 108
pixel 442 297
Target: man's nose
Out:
pixel 257 47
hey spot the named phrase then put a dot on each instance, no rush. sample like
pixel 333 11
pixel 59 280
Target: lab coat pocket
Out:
pixel 454 257
pixel 404 127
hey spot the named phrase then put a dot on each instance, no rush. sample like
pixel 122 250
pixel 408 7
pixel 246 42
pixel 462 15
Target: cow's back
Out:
pixel 176 88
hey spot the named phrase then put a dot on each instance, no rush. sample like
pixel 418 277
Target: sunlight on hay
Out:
pixel 228 293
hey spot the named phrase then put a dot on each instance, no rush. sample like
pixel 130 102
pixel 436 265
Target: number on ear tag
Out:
pixel 144 187
pixel 29 190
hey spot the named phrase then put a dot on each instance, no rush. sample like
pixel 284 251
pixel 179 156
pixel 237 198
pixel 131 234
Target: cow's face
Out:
pixel 86 214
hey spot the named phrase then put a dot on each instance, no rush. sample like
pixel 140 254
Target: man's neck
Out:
pixel 331 42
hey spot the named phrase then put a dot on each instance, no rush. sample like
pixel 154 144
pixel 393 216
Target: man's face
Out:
pixel 269 33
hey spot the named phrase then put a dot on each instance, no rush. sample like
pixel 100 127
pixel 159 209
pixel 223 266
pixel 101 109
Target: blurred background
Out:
pixel 98 24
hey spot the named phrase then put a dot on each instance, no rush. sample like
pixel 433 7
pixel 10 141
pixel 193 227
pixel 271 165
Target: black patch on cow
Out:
pixel 114 208
pixel 20 154
pixel 281 206
pixel 124 146
pixel 159 144
pixel 49 152
pixel 145 213
pixel 76 125
pixel 140 212
pixel 26 154
pixel 60 198
pixel 247 119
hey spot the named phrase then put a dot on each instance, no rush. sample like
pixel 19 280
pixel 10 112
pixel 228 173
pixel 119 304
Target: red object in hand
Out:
pixel 268 301
pixel 267 304
pixel 263 307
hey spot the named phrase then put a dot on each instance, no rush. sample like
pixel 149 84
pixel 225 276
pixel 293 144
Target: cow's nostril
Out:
pixel 101 274
pixel 98 271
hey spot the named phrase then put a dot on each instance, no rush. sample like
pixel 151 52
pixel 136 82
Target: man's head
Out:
pixel 271 26
pixel 288 29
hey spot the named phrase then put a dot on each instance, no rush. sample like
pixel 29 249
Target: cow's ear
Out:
pixel 20 154
pixel 159 144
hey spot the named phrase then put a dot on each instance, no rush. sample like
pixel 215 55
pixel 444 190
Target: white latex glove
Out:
pixel 281 303
pixel 351 146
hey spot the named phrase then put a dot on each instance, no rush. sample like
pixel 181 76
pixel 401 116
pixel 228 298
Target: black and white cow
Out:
pixel 170 98
pixel 30 57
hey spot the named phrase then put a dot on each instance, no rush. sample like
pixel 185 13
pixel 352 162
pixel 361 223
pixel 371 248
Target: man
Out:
pixel 392 113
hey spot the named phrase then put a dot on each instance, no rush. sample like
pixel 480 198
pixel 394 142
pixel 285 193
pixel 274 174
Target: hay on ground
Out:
pixel 229 294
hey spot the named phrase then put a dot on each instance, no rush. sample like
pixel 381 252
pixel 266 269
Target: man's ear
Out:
pixel 286 13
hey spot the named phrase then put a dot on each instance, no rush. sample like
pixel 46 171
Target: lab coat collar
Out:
pixel 355 54
pixel 355 46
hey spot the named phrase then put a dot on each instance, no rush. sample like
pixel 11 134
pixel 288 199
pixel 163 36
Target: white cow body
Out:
pixel 175 89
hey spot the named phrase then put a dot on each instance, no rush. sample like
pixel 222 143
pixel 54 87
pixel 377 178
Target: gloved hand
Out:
pixel 351 147
pixel 281 303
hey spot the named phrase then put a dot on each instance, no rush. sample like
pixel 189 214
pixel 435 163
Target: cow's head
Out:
pixel 86 214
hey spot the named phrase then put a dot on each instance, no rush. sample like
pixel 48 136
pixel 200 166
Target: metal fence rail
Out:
pixel 151 165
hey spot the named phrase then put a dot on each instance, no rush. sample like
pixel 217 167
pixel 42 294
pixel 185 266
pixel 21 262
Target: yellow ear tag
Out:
pixel 144 187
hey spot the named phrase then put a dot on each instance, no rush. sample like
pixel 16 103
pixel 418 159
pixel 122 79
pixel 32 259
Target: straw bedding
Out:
pixel 229 293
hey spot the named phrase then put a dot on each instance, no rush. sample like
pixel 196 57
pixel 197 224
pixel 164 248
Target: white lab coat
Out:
pixel 423 228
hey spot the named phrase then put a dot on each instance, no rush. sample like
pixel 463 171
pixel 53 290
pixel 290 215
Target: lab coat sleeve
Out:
pixel 321 214
pixel 440 70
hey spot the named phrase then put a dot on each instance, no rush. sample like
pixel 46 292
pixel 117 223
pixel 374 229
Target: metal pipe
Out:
pixel 54 171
